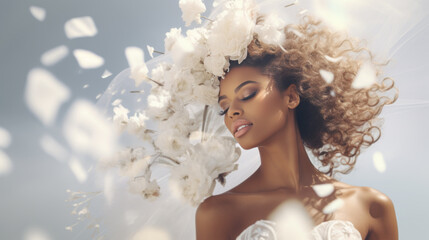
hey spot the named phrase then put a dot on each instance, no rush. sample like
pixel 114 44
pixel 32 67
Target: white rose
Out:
pixel 120 117
pixel 143 186
pixel 271 30
pixel 206 95
pixel 172 143
pixel 171 37
pixel 216 64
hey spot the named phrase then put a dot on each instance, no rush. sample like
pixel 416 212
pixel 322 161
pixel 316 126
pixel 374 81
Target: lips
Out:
pixel 240 127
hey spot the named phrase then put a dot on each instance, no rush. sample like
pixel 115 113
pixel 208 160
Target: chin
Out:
pixel 246 145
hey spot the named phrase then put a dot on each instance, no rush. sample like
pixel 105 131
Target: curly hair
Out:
pixel 335 120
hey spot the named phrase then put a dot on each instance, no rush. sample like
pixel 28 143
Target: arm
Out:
pixel 383 223
pixel 211 221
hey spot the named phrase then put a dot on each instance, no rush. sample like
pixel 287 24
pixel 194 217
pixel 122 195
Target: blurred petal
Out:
pixel 152 233
pixel 5 164
pixel 323 190
pixel 78 170
pixel 135 58
pixel 54 55
pixel 379 162
pixel 38 13
pixel 292 221
pixel 36 234
pixel 80 27
pixel 85 86
pixel 87 130
pixel 333 206
pixel 334 60
pixel 88 59
pixel 44 95
pixel 117 102
pixel 326 75
pixel 365 77
pixel 53 148
pixel 106 74
pixel 5 138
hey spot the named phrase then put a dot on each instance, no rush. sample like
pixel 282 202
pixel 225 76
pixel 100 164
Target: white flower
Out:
pixel 191 10
pixel 232 31
pixel 188 51
pixel 180 122
pixel 159 71
pixel 142 185
pixel 270 31
pixel 139 70
pixel 180 83
pixel 136 123
pixel 159 106
pixel 135 166
pixel 191 181
pixel 216 64
pixel 206 95
pixel 171 37
pixel 121 116
pixel 172 143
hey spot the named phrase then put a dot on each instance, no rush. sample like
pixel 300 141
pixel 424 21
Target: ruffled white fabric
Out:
pixel 329 230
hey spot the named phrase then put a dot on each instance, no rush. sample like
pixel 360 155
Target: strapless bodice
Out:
pixel 329 230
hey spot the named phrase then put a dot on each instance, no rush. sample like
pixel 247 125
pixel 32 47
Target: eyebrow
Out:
pixel 237 88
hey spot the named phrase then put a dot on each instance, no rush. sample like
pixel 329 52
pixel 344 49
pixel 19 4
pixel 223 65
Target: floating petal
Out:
pixel 333 206
pixel 334 60
pixel 365 77
pixel 78 170
pixel 98 96
pixel 379 162
pixel 326 75
pixel 151 233
pixel 38 13
pixel 85 86
pixel 5 138
pixel 150 50
pixel 292 221
pixel 80 27
pixel 5 164
pixel 53 148
pixel 36 234
pixel 106 74
pixel 87 131
pixel 88 59
pixel 44 95
pixel 117 102
pixel 54 55
pixel 323 190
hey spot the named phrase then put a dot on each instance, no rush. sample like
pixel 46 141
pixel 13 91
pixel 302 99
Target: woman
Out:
pixel 283 99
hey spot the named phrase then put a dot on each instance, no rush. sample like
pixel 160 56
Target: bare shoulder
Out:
pixel 380 211
pixel 213 217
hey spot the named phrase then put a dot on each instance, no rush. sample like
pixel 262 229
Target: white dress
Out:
pixel 329 230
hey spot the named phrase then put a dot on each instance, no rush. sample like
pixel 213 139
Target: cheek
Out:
pixel 270 110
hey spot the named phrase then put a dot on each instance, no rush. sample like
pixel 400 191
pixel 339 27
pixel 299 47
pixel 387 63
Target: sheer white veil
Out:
pixel 395 30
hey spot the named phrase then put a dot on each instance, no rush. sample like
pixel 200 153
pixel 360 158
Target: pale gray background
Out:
pixel 33 194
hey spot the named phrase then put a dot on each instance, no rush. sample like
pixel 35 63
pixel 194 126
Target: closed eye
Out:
pixel 223 112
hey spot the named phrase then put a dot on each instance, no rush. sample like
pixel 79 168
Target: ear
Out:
pixel 291 97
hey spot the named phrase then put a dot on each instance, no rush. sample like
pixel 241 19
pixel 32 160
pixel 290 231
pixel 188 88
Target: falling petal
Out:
pixel 87 59
pixel 85 86
pixel 123 91
pixel 54 55
pixel 5 164
pixel 150 50
pixel 117 102
pixel 38 13
pixel 87 131
pixel 379 162
pixel 53 148
pixel 36 234
pixel 326 75
pixel 292 221
pixel 333 206
pixel 78 170
pixel 80 27
pixel 365 77
pixel 106 74
pixel 296 32
pixel 5 138
pixel 303 11
pixel 44 95
pixel 334 60
pixel 323 190
pixel 332 93
pixel 135 58
pixel 98 96
pixel 154 233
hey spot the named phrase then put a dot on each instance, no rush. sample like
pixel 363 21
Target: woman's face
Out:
pixel 255 111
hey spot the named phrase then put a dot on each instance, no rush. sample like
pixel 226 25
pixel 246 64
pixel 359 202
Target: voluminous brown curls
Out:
pixel 335 120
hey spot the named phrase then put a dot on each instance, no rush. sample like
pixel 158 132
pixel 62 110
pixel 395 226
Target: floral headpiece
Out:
pixel 196 150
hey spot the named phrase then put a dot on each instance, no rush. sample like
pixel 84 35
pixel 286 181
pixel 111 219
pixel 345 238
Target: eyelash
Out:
pixel 223 112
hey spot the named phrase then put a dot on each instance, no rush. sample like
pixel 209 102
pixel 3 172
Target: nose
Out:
pixel 234 111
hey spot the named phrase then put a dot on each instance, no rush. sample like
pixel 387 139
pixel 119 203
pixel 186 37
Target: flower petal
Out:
pixel 379 162
pixel 87 59
pixel 80 27
pixel 38 13
pixel 5 138
pixel 54 55
pixel 5 164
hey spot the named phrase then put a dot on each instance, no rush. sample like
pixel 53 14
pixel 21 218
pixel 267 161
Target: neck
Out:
pixel 285 163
